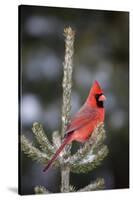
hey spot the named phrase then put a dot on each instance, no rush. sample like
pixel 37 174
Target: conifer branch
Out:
pixel 91 162
pixel 67 78
pixel 41 190
pixel 56 139
pixel 33 152
pixel 95 185
pixel 42 139
pixel 66 106
pixel 72 188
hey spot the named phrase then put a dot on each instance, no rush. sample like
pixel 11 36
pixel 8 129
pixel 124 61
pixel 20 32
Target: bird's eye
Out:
pixel 97 96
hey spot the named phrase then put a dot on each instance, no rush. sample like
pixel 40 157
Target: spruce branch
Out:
pixel 98 184
pixel 33 152
pixel 72 188
pixel 91 162
pixel 42 139
pixel 56 139
pixel 66 105
pixel 41 190
pixel 67 77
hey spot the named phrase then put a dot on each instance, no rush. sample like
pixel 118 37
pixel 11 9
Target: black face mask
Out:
pixel 99 103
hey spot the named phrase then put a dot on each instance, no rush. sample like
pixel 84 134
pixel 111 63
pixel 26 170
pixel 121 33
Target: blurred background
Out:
pixel 101 53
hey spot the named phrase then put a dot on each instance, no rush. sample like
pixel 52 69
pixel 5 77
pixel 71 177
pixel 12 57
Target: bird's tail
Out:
pixel 66 141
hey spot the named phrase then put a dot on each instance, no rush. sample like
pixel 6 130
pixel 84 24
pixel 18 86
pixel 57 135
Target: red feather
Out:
pixel 85 121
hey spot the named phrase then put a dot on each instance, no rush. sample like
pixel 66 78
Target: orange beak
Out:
pixel 102 98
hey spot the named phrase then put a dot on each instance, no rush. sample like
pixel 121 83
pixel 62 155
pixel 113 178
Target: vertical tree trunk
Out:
pixel 65 176
pixel 66 108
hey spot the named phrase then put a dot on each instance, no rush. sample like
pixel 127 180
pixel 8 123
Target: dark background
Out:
pixel 101 53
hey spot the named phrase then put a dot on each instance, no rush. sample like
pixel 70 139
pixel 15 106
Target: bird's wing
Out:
pixel 83 117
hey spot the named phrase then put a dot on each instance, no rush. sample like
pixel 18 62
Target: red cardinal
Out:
pixel 85 120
